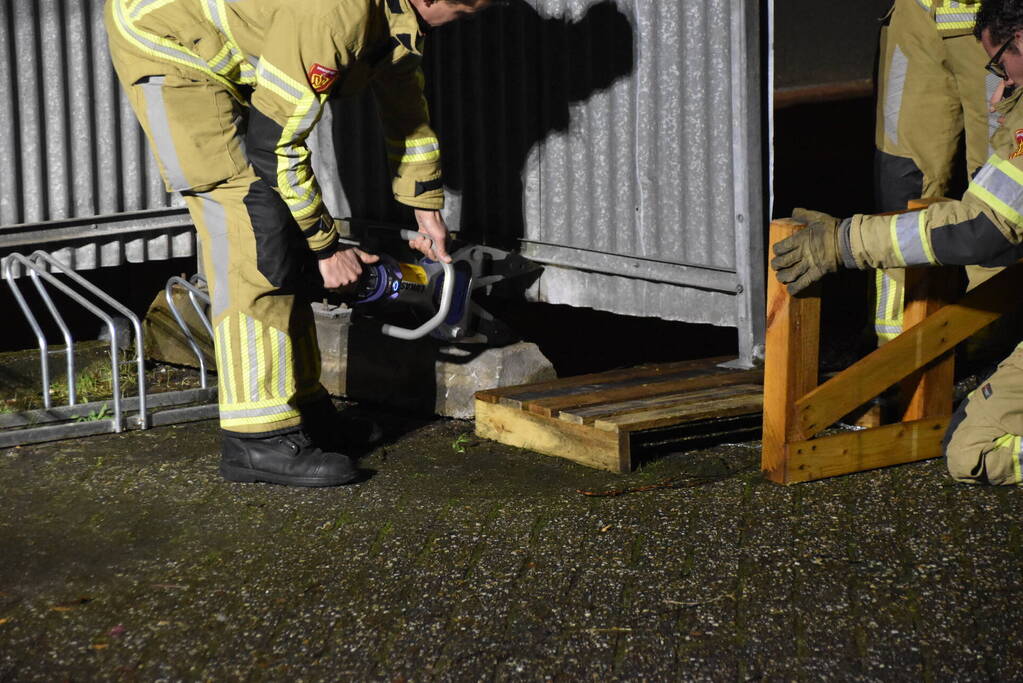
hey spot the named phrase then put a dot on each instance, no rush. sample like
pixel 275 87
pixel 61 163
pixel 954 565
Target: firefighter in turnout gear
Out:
pixel 227 92
pixel 983 443
pixel 932 91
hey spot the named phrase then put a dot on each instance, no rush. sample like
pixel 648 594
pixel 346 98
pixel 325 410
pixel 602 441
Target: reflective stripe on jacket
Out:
pixel 985 227
pixel 953 17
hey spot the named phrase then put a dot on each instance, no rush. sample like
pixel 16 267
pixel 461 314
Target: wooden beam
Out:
pixel 849 452
pixel 928 392
pixel 593 447
pixel 750 404
pixel 905 354
pixel 924 202
pixel 790 359
pixel 602 378
pixel 824 92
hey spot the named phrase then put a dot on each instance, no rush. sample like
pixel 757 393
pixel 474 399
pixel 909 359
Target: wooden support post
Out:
pixel 928 392
pixel 790 362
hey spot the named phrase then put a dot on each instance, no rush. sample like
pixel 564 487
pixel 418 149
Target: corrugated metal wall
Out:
pixel 650 178
pixel 616 142
pixel 73 160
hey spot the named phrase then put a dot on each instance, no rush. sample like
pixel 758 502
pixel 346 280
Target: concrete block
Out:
pixel 423 376
pixel 332 323
pixel 460 377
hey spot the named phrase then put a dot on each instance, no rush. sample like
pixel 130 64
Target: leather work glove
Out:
pixel 810 254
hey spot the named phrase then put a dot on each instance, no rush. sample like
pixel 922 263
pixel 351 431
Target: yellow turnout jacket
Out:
pixel 985 227
pixel 284 58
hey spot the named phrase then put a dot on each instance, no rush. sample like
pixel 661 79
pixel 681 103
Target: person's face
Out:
pixel 1009 59
pixel 440 12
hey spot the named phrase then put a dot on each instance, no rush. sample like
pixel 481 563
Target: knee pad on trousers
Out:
pixel 282 255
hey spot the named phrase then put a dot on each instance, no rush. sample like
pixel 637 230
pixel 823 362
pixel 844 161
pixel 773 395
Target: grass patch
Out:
pixel 96 415
pixel 94 382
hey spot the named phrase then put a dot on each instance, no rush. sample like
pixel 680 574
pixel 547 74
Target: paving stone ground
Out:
pixel 126 557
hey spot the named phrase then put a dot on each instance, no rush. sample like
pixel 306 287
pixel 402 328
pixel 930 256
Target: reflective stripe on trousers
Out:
pixel 260 387
pixel 888 307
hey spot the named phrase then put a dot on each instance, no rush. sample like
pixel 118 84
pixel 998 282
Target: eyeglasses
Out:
pixel 994 66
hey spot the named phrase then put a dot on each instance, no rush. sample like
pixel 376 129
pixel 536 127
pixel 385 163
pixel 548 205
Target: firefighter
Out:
pixel 227 92
pixel 932 92
pixel 983 443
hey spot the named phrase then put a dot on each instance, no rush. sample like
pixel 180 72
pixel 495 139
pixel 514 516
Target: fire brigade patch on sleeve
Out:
pixel 322 77
pixel 1019 145
pixel 986 390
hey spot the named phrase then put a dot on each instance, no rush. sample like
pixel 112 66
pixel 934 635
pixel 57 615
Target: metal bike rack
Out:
pixel 194 296
pixel 52 423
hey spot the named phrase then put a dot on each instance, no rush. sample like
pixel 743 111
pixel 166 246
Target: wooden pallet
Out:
pixel 592 419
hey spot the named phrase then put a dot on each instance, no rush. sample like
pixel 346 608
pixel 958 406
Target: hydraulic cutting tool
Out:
pixel 443 293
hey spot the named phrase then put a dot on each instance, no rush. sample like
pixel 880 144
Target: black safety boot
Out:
pixel 336 431
pixel 289 459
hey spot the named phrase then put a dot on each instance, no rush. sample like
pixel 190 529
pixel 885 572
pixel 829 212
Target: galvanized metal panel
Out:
pixel 609 139
pixel 633 296
pixel 70 146
pixel 616 139
pixel 634 130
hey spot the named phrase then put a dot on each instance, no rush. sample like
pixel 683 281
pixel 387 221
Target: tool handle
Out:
pixel 447 293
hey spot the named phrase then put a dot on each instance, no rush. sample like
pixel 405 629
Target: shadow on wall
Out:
pixel 497 84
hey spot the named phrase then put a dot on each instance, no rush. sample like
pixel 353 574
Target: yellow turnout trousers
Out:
pixel 933 92
pixel 984 441
pixel 255 257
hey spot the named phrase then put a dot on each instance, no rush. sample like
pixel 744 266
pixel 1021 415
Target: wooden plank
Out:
pixel 550 407
pixel 747 404
pixel 597 387
pixel 494 395
pixel 589 414
pixel 928 392
pixel 908 352
pixel 568 395
pixel 585 445
pixel 790 359
pixel 849 452
pixel 924 202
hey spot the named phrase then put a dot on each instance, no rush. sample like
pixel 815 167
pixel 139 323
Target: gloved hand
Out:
pixel 810 254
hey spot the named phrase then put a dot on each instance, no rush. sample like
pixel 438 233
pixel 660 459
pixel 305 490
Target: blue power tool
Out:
pixel 443 291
